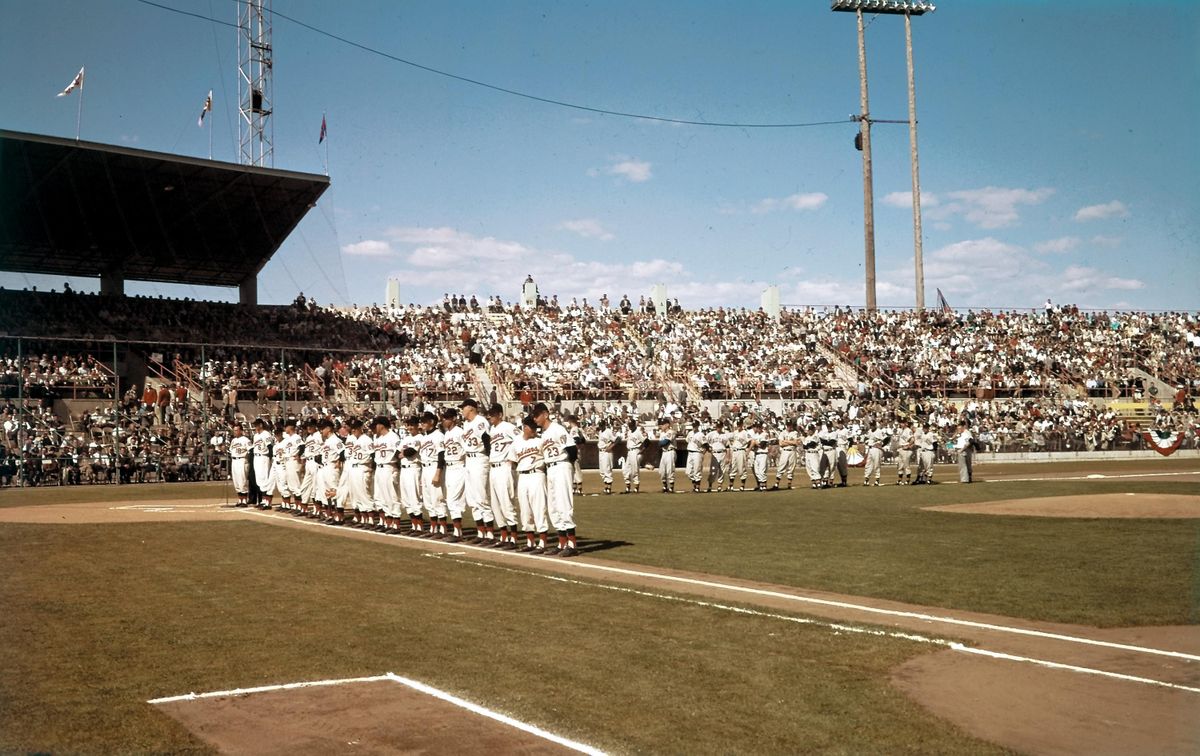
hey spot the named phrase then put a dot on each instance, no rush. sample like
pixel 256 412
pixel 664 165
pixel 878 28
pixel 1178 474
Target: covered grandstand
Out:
pixel 115 213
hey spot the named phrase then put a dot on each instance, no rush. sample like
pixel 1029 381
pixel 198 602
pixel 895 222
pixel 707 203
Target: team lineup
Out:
pixel 514 480
pixel 519 481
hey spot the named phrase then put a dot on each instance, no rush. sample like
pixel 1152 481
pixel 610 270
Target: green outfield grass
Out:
pixel 99 618
pixel 878 542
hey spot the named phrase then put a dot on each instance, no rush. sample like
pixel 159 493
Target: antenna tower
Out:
pixel 256 134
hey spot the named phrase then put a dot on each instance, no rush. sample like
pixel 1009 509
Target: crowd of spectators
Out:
pixel 1023 378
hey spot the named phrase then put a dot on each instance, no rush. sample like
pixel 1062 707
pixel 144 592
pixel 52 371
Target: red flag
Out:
pixel 324 131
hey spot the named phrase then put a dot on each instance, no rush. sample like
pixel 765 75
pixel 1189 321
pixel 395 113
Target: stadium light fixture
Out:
pixel 893 7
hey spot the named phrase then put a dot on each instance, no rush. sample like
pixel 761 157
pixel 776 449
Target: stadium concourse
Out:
pixel 106 388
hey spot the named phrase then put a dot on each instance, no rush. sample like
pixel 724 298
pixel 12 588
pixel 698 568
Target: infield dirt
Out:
pixel 364 718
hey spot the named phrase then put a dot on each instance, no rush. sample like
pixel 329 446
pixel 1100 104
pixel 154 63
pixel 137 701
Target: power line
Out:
pixel 505 90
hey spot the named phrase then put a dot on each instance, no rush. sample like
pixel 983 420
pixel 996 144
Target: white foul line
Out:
pixel 267 689
pixel 481 711
pixel 802 599
pixel 841 627
pixel 1070 667
pixel 420 687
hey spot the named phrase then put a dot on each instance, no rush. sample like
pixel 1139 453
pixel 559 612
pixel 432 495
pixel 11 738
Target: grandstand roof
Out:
pixel 86 209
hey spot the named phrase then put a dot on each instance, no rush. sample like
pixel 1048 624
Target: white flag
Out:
pixel 207 107
pixel 76 82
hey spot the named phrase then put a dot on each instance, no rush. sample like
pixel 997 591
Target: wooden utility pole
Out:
pixel 918 243
pixel 864 124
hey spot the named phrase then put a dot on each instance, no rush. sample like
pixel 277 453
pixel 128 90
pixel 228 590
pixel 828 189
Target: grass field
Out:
pixel 100 618
pixel 877 542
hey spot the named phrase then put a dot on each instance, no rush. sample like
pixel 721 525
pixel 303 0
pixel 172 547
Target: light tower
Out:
pixel 906 8
pixel 256 134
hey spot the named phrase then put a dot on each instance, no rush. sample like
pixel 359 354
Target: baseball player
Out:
pixel 718 443
pixel 409 486
pixel 907 440
pixel 292 465
pixel 277 479
pixel 760 443
pixel 239 450
pixel 559 454
pixel 877 439
pixel 789 440
pixel 502 485
pixel 926 441
pixel 454 456
pixel 310 490
pixel 387 474
pixel 360 451
pixel 261 445
pixel 572 426
pixel 666 462
pixel 604 449
pixel 844 436
pixel 697 440
pixel 634 439
pixel 739 442
pixel 813 455
pixel 829 455
pixel 476 441
pixel 332 449
pixel 433 490
pixel 526 454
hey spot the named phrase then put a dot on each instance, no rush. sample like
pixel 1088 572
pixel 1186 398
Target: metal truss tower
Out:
pixel 256 134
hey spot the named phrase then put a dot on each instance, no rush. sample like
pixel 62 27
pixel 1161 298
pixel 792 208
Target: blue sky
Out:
pixel 1056 159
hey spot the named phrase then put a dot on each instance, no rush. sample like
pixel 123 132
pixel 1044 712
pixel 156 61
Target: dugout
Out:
pixel 77 208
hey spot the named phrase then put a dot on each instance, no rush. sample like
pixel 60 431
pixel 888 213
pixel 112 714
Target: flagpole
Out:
pixel 326 144
pixel 210 120
pixel 79 111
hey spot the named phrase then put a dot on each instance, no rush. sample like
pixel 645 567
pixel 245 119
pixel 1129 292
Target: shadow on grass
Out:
pixel 588 546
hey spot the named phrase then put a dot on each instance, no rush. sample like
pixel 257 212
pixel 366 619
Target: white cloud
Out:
pixel 1100 240
pixel 904 199
pixel 630 169
pixel 589 228
pixel 989 207
pixel 808 201
pixel 991 273
pixel 444 259
pixel 1057 246
pixel 368 248
pixel 1080 279
pixel 985 272
pixel 1114 209
pixel 975 264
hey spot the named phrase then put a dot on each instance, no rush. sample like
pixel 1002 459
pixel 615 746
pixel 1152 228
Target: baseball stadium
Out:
pixel 537 517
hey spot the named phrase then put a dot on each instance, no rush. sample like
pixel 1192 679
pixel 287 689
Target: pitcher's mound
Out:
pixel 1101 505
